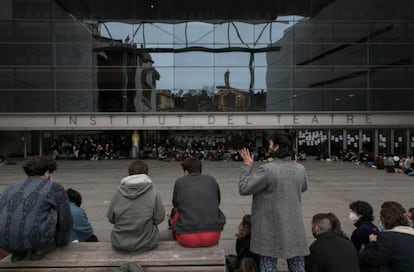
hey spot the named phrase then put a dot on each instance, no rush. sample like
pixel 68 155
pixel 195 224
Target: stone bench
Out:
pixel 169 256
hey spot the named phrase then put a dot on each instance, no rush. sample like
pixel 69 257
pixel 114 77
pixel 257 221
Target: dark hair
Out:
pixel 322 221
pixel 284 139
pixel 394 204
pixel 192 165
pixel 336 225
pixel 74 196
pixel 391 216
pixel 364 209
pixel 138 167
pixel 245 226
pixel 39 165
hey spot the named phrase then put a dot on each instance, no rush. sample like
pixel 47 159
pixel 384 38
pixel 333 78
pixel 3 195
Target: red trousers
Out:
pixel 197 239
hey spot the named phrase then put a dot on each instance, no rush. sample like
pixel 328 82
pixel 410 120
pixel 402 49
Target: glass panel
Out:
pixel 349 32
pixel 33 78
pixel 313 32
pixel 384 138
pixel 32 31
pixel 368 140
pixel 352 140
pixel 193 78
pixel 313 143
pixel 390 54
pixel 6 29
pixel 400 142
pixel 193 59
pixel 385 10
pixel 193 34
pixel 411 142
pixel 161 35
pixel 70 32
pixel 337 143
pixel 231 59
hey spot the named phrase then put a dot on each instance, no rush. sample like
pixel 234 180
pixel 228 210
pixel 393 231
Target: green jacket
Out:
pixel 135 210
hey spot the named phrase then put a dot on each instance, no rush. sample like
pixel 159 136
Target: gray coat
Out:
pixel 277 224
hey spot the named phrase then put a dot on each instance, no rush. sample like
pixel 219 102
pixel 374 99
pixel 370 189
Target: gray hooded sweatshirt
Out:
pixel 135 210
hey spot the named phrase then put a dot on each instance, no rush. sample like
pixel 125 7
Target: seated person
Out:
pixel 330 252
pixel 35 214
pixel 136 210
pixel 198 220
pixel 243 241
pixel 82 230
pixel 392 250
pixel 362 216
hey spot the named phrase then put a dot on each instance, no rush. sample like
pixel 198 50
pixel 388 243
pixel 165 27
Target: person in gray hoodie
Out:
pixel 136 210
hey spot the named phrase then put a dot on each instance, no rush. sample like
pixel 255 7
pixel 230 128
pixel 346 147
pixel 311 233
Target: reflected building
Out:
pixel 339 72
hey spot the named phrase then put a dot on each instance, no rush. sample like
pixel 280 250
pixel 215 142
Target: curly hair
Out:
pixel 391 216
pixel 39 165
pixel 364 209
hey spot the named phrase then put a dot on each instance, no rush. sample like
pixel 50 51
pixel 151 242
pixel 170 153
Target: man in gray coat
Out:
pixel 277 224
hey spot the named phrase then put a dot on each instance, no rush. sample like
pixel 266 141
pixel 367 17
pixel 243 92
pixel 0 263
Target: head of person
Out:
pixel 393 204
pixel 245 226
pixel 392 216
pixel 410 214
pixel 42 166
pixel 138 167
pixel 336 225
pixel 281 143
pixel 320 224
pixel 74 196
pixel 361 210
pixel 191 165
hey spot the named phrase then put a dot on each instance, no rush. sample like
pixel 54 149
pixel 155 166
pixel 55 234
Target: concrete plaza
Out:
pixel 331 187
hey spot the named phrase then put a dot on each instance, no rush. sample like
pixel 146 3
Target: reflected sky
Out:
pixel 202 70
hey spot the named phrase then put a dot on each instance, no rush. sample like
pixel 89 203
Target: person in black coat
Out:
pixel 330 252
pixel 392 250
pixel 362 216
pixel 243 241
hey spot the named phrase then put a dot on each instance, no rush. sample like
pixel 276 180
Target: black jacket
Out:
pixel 360 236
pixel 331 253
pixel 394 250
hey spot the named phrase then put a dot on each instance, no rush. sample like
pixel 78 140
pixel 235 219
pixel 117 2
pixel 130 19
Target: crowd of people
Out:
pixel 38 215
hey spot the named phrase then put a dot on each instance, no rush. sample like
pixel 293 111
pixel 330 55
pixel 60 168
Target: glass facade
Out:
pixel 124 57
pixel 321 56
